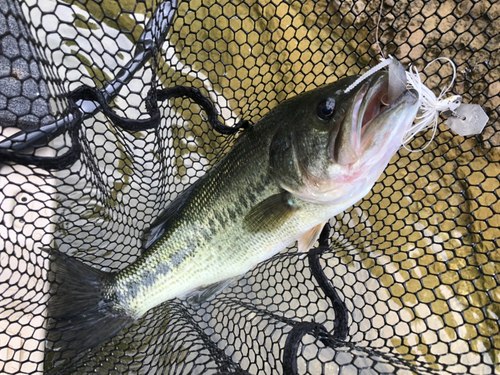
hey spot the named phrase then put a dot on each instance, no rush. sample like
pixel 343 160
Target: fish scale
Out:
pixel 302 163
pixel 205 224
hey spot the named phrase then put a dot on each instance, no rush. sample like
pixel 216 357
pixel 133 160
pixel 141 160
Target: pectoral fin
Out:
pixel 307 240
pixel 270 214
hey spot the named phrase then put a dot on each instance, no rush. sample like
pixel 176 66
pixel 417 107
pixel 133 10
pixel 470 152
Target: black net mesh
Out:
pixel 408 281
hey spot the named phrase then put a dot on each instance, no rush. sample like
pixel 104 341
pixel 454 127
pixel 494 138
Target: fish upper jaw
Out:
pixel 344 144
pixel 367 104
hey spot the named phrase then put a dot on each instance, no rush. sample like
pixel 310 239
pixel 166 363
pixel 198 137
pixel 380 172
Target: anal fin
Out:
pixel 204 293
pixel 307 240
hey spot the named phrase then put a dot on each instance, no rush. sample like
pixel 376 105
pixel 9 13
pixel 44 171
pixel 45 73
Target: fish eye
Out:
pixel 326 109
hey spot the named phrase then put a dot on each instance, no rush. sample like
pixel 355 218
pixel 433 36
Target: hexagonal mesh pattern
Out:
pixel 408 283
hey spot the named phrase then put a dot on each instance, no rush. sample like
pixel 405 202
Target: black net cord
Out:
pixel 294 340
pixel 91 94
pixel 341 313
pixel 224 363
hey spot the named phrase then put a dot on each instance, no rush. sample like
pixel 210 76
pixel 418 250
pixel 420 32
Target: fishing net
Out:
pixel 406 280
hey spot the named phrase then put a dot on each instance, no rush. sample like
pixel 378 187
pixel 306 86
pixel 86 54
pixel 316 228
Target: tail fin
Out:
pixel 81 311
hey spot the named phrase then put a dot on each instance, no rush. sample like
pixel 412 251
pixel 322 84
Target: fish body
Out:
pixel 307 160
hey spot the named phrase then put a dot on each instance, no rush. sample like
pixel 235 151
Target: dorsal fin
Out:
pixel 162 222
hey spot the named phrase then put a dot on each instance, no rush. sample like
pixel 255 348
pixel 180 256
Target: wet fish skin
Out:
pixel 208 239
pixel 284 178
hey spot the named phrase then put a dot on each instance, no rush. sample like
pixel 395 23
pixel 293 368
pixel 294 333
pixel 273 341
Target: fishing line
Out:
pixel 378 28
pixel 382 64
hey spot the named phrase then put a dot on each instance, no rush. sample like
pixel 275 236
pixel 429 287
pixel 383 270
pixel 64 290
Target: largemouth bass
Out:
pixel 304 162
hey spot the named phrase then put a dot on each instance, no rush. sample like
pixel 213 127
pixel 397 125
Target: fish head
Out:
pixel 332 145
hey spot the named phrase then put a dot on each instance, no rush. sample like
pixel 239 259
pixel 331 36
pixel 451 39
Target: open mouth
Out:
pixel 362 122
pixel 374 102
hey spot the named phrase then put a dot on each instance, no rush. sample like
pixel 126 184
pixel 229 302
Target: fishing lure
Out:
pixel 471 119
pixel 431 106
